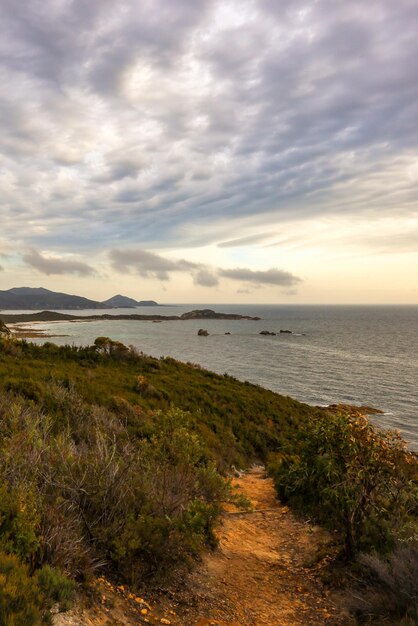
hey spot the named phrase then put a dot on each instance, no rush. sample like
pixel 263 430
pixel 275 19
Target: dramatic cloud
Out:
pixel 148 264
pixel 181 125
pixel 204 110
pixel 268 277
pixel 52 265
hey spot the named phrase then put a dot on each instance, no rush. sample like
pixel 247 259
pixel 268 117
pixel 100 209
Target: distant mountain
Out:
pixel 120 302
pixel 39 298
pixel 31 298
pixel 29 291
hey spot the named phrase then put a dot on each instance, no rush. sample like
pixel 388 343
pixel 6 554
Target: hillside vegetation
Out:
pixel 114 461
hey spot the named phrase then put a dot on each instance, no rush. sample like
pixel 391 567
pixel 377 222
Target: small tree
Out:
pixel 352 477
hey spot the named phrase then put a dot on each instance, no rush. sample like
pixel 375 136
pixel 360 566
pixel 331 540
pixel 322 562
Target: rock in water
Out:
pixel 202 332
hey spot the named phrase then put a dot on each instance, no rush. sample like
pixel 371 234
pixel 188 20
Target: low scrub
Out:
pixel 26 599
pixel 99 470
pixel 86 494
pixel 21 599
pixel 388 592
pixel 353 478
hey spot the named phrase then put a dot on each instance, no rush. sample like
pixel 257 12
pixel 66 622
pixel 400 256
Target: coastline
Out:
pixel 347 356
pixel 54 316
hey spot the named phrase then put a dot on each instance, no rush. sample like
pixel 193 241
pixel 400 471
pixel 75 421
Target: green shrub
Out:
pixel 56 588
pixel 28 389
pixel 181 495
pixel 21 600
pixel 351 477
pixel 18 523
pixel 96 467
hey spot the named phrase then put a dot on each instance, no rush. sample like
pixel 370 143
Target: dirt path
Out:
pixel 265 571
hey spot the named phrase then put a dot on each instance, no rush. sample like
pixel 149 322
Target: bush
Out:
pixel 97 469
pixel 18 523
pixel 351 477
pixel 389 589
pixel 114 349
pixel 181 495
pixel 144 388
pixel 21 600
pixel 56 588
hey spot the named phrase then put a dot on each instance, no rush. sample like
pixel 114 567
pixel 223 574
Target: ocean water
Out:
pixel 354 354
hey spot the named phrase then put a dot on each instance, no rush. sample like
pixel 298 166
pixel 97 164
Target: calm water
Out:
pixel 359 355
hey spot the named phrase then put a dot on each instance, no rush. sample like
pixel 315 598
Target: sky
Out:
pixel 261 151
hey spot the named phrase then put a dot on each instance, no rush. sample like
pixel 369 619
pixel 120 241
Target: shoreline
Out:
pixel 389 417
pixel 19 332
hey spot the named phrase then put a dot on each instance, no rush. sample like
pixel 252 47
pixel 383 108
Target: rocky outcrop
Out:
pixel 208 314
pixel 352 409
pixel 202 332
pixel 281 332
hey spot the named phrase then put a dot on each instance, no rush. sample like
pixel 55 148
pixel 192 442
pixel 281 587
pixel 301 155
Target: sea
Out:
pixel 335 354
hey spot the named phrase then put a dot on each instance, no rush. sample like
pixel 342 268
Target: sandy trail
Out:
pixel 264 571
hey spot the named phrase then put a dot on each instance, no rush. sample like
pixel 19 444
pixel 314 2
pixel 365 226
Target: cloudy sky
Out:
pixel 210 151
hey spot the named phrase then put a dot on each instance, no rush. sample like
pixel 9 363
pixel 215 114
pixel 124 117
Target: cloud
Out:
pixel 148 264
pixel 151 265
pixel 176 124
pixel 53 265
pixel 206 278
pixel 273 276
pixel 244 241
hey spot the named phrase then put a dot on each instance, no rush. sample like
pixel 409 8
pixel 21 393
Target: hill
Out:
pixel 115 464
pixel 33 298
pixel 120 301
pixel 149 303
pixel 19 298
